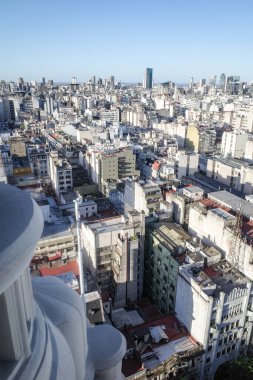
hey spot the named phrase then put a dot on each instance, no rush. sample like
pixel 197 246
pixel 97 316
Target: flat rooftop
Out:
pixel 106 225
pixel 223 214
pixel 221 276
pixel 122 317
pixel 170 235
pixel 233 202
pixel 194 189
pixel 70 267
pixel 234 163
pixel 55 230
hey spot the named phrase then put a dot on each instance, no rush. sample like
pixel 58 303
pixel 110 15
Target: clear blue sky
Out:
pixel 59 39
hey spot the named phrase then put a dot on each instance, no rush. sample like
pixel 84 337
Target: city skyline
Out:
pixel 207 80
pixel 177 39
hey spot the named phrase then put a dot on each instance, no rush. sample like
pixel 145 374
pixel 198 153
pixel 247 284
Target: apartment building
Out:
pixel 164 253
pixel 200 139
pixel 38 162
pixel 233 144
pixel 237 174
pixel 56 239
pixel 211 222
pixel 215 304
pixel 142 196
pixel 17 146
pixel 60 172
pixel 106 167
pixel 113 251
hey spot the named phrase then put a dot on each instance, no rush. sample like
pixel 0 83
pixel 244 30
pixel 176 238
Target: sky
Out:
pixel 179 39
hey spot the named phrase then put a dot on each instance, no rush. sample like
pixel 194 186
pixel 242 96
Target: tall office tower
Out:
pixel 93 79
pixel 20 82
pixel 233 84
pixel 111 79
pixel 74 85
pixel 202 82
pixel 212 81
pixel 191 83
pixel 148 78
pixel 43 81
pixel 222 83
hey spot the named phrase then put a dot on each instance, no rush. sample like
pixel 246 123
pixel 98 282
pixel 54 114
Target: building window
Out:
pixel 233 347
pixel 210 347
pixel 160 248
pixel 218 355
pixel 223 352
pixel 208 360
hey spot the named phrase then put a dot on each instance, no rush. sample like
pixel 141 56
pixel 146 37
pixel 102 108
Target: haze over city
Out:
pixel 179 39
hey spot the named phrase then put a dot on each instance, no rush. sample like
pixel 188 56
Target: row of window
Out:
pixel 230 326
pixel 226 351
pixel 227 339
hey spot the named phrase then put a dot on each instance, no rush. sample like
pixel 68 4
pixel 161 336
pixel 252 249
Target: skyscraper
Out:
pixel 222 83
pixel 212 81
pixel 148 78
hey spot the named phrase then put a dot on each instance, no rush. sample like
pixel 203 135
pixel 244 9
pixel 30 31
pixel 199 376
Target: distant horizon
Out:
pixel 68 82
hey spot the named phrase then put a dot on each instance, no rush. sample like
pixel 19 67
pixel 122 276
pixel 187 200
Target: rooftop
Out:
pixel 55 230
pixel 223 214
pixel 156 342
pixel 221 276
pixel 234 163
pixel 233 202
pixel 170 235
pixel 194 189
pixel 70 267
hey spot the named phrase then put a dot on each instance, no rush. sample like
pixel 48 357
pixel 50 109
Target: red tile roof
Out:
pixel 71 266
pixel 173 328
pixel 131 366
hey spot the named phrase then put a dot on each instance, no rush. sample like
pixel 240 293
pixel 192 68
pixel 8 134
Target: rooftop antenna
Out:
pixel 77 202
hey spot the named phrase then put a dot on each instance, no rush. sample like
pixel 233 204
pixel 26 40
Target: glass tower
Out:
pixel 148 78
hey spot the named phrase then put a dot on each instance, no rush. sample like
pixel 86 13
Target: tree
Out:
pixel 241 368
